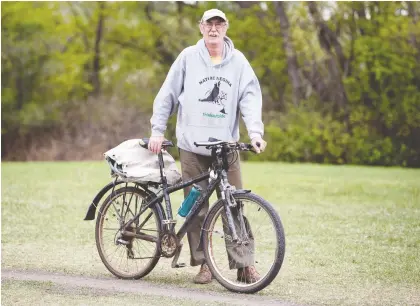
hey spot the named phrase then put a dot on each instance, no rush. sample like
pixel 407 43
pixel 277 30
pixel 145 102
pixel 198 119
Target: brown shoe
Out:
pixel 248 275
pixel 204 276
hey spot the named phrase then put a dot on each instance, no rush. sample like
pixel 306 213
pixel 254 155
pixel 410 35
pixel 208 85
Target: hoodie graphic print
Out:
pixel 209 97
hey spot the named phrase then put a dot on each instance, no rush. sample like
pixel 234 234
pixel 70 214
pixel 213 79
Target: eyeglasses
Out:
pixel 218 25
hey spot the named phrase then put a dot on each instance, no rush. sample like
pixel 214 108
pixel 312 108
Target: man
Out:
pixel 211 83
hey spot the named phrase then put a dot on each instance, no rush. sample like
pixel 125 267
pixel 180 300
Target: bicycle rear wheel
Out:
pixel 123 255
pixel 263 250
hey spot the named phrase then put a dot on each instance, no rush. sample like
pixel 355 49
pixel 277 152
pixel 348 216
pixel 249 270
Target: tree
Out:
pixel 336 63
pixel 292 64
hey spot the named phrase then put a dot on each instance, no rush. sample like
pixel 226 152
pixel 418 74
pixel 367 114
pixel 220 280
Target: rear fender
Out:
pixel 90 215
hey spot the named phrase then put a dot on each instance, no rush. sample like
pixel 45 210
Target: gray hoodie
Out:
pixel 209 97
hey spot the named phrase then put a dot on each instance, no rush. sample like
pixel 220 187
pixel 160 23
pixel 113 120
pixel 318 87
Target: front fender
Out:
pixel 238 191
pixel 90 215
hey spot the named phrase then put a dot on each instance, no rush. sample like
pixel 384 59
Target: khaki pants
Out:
pixel 239 256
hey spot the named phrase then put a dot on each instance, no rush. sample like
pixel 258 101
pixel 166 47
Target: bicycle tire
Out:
pixel 280 241
pixel 156 211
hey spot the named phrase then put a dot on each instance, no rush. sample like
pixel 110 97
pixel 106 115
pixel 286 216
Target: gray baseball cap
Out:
pixel 213 13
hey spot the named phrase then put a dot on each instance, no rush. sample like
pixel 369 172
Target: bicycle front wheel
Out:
pixel 128 256
pixel 253 263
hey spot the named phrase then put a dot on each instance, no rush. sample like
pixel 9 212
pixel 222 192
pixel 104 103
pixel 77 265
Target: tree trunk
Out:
pixel 96 63
pixel 20 87
pixel 292 64
pixel 166 57
pixel 415 20
pixel 327 37
pixel 328 40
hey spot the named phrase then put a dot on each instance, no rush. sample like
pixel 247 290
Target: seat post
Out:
pixel 162 166
pixel 165 186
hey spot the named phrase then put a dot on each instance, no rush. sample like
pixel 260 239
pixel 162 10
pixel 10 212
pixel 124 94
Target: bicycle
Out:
pixel 138 229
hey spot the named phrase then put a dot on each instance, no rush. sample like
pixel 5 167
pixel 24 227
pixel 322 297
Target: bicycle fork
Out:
pixel 229 202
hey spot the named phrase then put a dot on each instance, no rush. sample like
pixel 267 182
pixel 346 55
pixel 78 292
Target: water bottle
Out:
pixel 189 201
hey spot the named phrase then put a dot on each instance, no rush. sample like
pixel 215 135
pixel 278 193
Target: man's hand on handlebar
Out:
pixel 258 144
pixel 155 143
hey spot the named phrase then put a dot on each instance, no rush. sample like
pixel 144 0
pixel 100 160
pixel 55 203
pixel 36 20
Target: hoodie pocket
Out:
pixel 204 133
pixel 204 123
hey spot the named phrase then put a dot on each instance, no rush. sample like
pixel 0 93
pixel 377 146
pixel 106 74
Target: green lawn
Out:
pixel 352 233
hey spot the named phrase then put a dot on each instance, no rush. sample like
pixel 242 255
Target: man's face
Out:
pixel 213 30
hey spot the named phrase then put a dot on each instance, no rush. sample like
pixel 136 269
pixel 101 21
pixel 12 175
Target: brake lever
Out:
pixel 252 149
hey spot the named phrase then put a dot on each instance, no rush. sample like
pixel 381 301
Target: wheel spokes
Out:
pixel 141 245
pixel 258 250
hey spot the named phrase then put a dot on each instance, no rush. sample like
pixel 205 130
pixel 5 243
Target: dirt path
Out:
pixel 117 285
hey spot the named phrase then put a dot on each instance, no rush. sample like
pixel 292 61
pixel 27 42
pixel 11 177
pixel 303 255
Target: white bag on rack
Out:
pixel 133 163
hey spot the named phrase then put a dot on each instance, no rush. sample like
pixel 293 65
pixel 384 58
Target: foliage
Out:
pixel 308 136
pixel 355 99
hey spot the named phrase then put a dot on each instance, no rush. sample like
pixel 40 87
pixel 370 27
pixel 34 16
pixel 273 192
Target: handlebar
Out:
pixel 238 146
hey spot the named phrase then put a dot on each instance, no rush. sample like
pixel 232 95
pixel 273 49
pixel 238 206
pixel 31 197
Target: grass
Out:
pixel 352 233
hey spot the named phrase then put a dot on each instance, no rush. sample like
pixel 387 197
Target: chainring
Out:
pixel 168 244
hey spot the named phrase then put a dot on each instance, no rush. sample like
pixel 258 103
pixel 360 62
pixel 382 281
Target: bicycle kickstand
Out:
pixel 175 263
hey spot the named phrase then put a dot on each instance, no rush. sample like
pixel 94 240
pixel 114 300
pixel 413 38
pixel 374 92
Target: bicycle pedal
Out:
pixel 180 265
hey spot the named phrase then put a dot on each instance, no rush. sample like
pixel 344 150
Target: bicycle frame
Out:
pixel 170 189
pixel 214 183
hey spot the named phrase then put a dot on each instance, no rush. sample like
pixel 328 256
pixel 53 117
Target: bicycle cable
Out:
pixel 235 158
